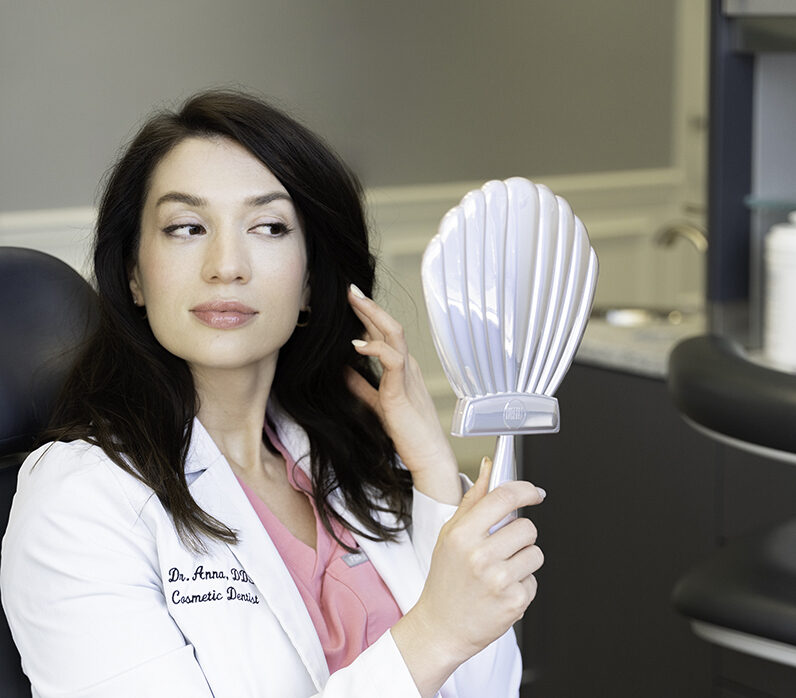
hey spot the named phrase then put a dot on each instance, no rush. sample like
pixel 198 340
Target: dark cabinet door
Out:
pixel 631 506
pixel 752 677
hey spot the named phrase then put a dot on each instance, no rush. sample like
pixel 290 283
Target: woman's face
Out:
pixel 222 265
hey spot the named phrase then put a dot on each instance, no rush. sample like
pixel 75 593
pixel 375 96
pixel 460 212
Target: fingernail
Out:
pixel 486 461
pixel 355 290
pixel 541 492
pixel 359 342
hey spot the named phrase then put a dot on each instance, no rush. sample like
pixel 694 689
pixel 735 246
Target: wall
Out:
pixel 410 92
pixel 425 99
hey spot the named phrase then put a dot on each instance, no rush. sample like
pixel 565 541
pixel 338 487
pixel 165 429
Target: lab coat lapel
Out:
pixel 395 562
pixel 216 490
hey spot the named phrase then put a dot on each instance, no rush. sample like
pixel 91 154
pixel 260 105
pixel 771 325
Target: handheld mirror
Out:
pixel 508 281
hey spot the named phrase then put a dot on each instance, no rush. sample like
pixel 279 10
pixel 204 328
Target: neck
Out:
pixel 232 409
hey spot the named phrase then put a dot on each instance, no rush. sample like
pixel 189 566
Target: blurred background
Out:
pixel 410 93
pixel 603 102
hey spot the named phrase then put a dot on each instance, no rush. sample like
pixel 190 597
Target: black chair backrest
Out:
pixel 46 311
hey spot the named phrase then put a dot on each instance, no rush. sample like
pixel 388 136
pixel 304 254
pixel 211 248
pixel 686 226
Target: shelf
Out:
pixel 764 34
pixel 756 203
pixel 757 8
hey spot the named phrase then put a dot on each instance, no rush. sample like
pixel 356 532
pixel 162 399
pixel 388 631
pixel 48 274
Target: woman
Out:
pixel 220 510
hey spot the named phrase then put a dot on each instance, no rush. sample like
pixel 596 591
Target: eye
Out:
pixel 275 230
pixel 184 230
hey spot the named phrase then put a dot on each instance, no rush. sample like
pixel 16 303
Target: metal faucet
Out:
pixel 667 235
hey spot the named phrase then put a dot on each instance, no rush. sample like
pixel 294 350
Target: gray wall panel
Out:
pixel 409 92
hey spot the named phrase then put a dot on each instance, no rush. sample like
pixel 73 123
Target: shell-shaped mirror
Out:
pixel 509 282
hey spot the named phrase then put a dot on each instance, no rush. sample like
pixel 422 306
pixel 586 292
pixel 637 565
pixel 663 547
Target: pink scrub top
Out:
pixel 349 604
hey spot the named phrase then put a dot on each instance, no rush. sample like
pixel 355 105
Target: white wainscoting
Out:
pixel 621 210
pixel 62 232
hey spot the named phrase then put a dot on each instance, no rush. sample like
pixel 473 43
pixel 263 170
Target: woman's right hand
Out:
pixel 479 584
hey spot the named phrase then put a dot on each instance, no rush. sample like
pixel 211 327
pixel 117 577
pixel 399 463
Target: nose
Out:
pixel 226 258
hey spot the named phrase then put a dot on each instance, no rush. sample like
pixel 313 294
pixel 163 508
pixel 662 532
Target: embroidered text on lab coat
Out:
pixel 188 594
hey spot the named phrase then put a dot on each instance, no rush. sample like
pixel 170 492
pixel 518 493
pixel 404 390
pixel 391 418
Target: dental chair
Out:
pixel 46 311
pixel 744 596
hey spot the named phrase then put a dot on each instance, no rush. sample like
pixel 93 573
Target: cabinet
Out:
pixel 635 498
pixel 752 153
pixel 752 184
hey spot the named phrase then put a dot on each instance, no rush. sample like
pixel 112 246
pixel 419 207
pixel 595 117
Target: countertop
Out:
pixel 640 350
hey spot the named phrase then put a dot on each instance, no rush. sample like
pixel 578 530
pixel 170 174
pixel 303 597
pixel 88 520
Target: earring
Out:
pixel 304 317
pixel 139 304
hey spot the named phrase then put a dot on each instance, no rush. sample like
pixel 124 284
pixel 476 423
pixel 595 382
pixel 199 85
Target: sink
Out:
pixel 641 316
pixel 638 338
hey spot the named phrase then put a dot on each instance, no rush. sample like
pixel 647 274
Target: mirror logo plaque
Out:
pixel 509 281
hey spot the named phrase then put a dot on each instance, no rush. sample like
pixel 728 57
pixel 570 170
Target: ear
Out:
pixel 306 293
pixel 135 287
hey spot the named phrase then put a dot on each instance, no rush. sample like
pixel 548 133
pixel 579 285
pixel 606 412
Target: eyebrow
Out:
pixel 198 202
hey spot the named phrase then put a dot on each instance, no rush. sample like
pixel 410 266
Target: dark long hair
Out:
pixel 137 401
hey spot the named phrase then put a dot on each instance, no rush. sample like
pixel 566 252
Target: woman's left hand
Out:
pixel 403 403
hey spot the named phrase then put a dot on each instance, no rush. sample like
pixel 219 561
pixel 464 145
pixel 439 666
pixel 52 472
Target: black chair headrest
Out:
pixel 715 385
pixel 46 311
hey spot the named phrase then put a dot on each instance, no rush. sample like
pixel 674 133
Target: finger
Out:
pixel 379 319
pixel 505 575
pixel 371 331
pixel 481 485
pixel 478 490
pixel 524 563
pixel 500 502
pixel 513 537
pixel 360 387
pixel 359 302
pixel 529 585
pixel 390 358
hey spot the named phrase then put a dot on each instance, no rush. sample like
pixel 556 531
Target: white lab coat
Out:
pixel 103 600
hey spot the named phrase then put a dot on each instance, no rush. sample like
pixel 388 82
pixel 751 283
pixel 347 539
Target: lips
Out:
pixel 223 315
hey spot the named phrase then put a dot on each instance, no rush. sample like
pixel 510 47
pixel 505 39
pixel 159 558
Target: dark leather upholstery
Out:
pixel 46 310
pixel 748 586
pixel 712 383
